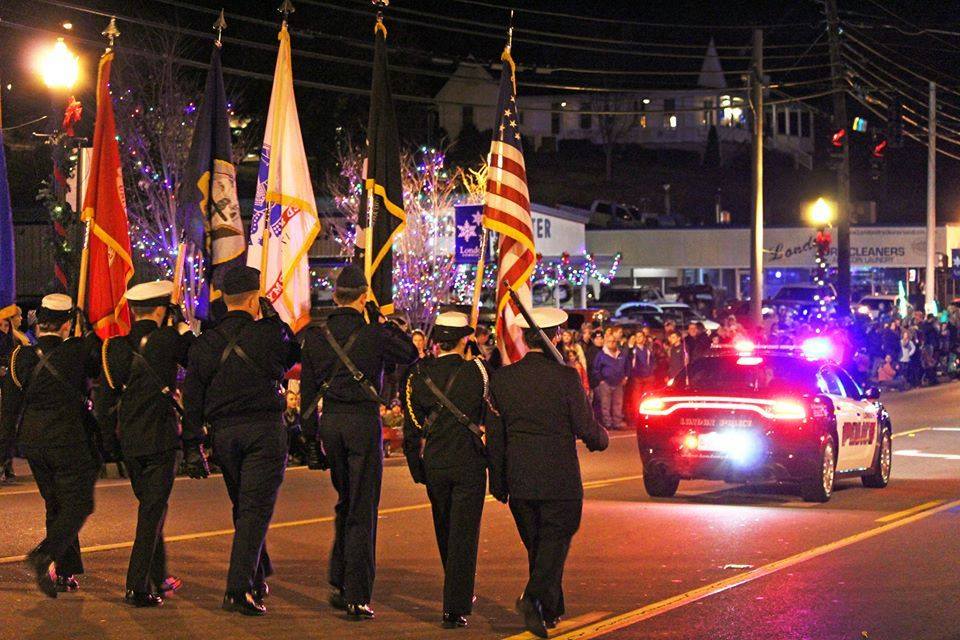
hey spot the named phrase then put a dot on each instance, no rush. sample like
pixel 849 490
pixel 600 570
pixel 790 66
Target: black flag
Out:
pixel 382 216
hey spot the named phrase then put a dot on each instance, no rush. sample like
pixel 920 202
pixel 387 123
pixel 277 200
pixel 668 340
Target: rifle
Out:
pixel 547 342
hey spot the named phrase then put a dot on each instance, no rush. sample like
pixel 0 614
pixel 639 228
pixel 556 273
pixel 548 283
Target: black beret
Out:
pixel 351 277
pixel 241 279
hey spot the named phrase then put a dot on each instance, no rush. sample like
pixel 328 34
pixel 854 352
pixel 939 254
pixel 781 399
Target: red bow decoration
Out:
pixel 71 116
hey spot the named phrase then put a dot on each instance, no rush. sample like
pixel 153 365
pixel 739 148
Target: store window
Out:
pixel 556 116
pixel 669 113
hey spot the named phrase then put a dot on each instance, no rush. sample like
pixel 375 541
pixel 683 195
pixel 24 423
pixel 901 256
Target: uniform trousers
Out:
pixel 546 528
pixel 456 498
pixel 253 458
pixel 65 477
pixel 354 449
pixel 151 477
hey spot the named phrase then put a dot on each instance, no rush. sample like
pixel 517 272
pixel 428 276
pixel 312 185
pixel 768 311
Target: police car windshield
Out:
pixel 757 373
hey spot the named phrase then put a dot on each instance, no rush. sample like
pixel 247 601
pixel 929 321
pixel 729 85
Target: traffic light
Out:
pixel 839 138
pixel 878 152
pixel 895 123
pixel 859 125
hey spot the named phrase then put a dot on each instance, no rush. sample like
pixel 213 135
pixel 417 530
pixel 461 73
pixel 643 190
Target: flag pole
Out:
pixel 485 232
pixel 369 184
pixel 110 33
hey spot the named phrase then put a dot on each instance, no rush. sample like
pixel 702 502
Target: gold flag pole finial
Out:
pixel 286 9
pixel 219 26
pixel 111 33
pixel 380 5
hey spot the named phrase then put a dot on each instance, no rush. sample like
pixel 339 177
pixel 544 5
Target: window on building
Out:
pixel 794 122
pixel 732 112
pixel 586 119
pixel 708 115
pixel 639 113
pixel 781 122
pixel 466 114
pixel 806 122
pixel 556 116
pixel 669 115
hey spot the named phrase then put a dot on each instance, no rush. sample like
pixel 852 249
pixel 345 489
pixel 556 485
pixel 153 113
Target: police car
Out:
pixel 747 413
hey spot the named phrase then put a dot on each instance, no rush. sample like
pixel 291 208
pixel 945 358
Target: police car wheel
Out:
pixel 879 475
pixel 820 488
pixel 660 484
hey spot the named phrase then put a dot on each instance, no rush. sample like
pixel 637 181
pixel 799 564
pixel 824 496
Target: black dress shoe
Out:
pixel 44 572
pixel 360 611
pixel 67 584
pixel 532 617
pixel 243 603
pixel 451 621
pixel 142 600
pixel 337 600
pixel 551 623
pixel 260 592
pixel 169 585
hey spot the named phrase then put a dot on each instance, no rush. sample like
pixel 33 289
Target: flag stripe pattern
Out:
pixel 285 222
pixel 110 266
pixel 507 212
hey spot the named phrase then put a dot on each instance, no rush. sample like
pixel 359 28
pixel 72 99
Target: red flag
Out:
pixel 109 263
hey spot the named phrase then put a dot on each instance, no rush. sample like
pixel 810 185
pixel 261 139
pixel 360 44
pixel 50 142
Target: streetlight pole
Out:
pixel 843 170
pixel 756 235
pixel 930 278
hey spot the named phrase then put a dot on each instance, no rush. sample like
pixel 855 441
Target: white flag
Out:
pixel 285 222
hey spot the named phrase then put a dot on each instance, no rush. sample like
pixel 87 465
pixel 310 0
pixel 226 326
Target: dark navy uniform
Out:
pixel 350 431
pixel 140 424
pixel 242 404
pixel 57 435
pixel 445 455
pixel 533 459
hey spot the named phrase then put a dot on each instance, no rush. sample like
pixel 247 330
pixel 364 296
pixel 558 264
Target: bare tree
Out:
pixel 614 129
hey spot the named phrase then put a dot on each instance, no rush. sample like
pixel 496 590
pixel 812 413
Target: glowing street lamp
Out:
pixel 821 213
pixel 59 67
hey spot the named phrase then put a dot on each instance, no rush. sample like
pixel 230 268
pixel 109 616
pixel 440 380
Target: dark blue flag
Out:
pixel 8 271
pixel 468 219
pixel 208 205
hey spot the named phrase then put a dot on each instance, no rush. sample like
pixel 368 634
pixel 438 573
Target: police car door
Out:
pixel 845 412
pixel 861 437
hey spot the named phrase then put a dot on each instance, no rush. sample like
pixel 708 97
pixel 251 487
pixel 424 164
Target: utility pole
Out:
pixel 843 170
pixel 756 229
pixel 930 279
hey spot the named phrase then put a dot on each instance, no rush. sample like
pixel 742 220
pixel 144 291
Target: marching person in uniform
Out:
pixel 445 400
pixel 532 443
pixel 45 408
pixel 139 423
pixel 343 363
pixel 232 395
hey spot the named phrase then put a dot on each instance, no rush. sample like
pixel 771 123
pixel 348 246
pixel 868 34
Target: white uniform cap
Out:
pixel 453 319
pixel 57 302
pixel 150 294
pixel 545 317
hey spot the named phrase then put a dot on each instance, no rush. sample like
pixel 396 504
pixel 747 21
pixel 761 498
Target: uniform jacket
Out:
pixel 532 443
pixel 131 409
pixel 234 392
pixel 445 442
pixel 378 346
pixel 56 414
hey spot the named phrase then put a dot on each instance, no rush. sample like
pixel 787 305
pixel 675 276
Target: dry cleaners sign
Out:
pixel 871 246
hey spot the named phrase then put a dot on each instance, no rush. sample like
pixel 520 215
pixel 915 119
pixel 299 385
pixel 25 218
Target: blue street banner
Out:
pixel 468 219
pixel 8 275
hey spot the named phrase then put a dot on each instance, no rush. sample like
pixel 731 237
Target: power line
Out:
pixel 906 133
pixel 701 27
pixel 859 39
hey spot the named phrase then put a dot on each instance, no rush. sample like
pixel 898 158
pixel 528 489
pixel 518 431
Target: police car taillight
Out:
pixel 788 410
pixel 652 405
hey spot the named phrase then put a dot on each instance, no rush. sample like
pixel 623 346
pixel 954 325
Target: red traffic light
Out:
pixel 839 137
pixel 880 148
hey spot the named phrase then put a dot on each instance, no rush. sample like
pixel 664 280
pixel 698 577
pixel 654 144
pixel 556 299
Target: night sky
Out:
pixel 428 37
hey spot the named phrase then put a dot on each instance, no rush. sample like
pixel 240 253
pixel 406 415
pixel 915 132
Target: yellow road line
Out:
pixel 565 625
pixel 200 535
pixel 657 608
pixel 890 517
pixel 912 432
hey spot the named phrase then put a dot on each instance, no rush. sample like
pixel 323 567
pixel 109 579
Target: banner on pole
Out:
pixel 468 218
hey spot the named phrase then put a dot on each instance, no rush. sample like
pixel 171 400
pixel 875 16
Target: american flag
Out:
pixel 507 211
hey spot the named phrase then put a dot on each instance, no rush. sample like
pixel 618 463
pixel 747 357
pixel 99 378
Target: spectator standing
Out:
pixel 610 372
pixel 640 370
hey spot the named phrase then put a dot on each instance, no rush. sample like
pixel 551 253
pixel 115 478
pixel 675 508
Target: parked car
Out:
pixel 613 297
pixel 655 314
pixel 875 305
pixel 802 298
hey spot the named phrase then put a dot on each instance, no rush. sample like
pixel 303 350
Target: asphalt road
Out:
pixel 715 562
